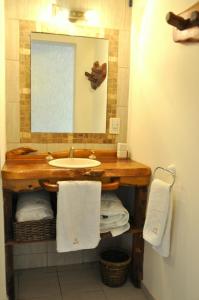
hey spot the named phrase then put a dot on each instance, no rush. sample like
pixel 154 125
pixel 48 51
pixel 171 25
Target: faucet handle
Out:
pixel 49 156
pixel 71 152
pixel 92 155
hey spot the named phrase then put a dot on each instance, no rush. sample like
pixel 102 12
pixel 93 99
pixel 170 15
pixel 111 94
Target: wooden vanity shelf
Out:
pixel 31 172
pixel 107 186
pixel 12 242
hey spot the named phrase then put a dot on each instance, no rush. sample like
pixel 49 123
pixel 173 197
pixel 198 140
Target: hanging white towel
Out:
pixel 114 216
pixel 164 248
pixel 158 218
pixel 78 215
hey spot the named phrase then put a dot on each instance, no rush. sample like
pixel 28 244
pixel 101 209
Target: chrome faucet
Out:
pixel 71 152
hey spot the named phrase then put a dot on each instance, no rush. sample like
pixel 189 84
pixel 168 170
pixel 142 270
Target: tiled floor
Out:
pixel 74 282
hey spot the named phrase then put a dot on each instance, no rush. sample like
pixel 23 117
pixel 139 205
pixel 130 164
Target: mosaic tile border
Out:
pixel 26 136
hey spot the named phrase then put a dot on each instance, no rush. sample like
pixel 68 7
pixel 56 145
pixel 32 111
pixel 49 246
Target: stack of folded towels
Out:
pixel 33 206
pixel 114 217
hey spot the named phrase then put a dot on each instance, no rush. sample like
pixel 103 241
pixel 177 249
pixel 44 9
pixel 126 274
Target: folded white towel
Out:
pixel 158 217
pixel 113 215
pixel 116 230
pixel 78 215
pixel 33 206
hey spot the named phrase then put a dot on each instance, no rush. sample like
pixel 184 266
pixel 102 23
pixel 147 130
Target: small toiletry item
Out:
pixel 92 155
pixel 122 150
pixel 49 156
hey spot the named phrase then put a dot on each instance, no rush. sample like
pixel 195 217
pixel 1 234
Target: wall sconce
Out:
pixel 76 15
pixel 73 16
pixel 130 3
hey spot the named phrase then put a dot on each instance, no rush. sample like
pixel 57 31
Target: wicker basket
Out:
pixel 114 267
pixel 34 230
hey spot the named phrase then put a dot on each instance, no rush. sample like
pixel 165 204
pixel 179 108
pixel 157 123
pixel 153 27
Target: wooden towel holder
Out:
pixel 180 23
pixel 186 24
pixel 54 187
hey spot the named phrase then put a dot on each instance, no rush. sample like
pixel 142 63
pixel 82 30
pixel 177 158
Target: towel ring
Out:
pixel 169 171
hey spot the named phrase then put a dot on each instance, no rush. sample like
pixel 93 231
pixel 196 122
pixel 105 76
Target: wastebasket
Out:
pixel 114 265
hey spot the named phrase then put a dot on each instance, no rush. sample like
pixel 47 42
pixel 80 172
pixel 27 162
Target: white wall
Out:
pixel 2 147
pixel 164 128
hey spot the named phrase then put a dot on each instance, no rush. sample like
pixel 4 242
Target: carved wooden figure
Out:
pixel 186 24
pixel 97 75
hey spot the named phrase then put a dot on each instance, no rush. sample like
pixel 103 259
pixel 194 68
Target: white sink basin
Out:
pixel 74 163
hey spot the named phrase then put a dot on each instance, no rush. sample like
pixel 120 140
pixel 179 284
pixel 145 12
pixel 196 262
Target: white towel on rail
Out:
pixel 113 216
pixel 158 218
pixel 78 215
pixel 164 248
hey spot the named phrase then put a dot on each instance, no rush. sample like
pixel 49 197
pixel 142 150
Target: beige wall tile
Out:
pixel 38 147
pixel 113 15
pixel 30 248
pixel 63 146
pixel 101 146
pixel 26 261
pixel 127 19
pixel 51 247
pixel 12 122
pixel 12 39
pixel 26 9
pixel 123 87
pixel 11 146
pixel 124 48
pixel 57 259
pixel 122 113
pixel 90 255
pixel 12 81
pixel 11 9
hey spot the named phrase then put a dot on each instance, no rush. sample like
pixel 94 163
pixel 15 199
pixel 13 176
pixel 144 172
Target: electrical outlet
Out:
pixel 114 126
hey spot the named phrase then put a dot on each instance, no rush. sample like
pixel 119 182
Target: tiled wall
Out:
pixel 44 254
pixel 114 15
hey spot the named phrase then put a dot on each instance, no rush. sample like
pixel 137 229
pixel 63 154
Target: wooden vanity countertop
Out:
pixel 38 169
pixel 27 167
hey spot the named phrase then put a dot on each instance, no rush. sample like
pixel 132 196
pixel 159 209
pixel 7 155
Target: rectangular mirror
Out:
pixel 63 98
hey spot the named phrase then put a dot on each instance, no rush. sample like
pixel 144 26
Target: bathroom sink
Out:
pixel 74 163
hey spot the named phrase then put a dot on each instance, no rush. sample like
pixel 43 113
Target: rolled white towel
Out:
pixel 117 230
pixel 33 206
pixel 113 215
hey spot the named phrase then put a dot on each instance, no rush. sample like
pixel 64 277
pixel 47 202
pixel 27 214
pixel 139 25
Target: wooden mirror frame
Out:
pixel 26 136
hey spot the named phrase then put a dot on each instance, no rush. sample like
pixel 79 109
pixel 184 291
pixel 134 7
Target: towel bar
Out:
pixel 54 187
pixel 171 172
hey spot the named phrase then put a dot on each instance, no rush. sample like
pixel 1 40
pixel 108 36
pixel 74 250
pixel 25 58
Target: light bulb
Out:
pixel 92 17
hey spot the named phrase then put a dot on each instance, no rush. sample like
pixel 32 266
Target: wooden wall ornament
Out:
pixel 97 75
pixel 186 24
